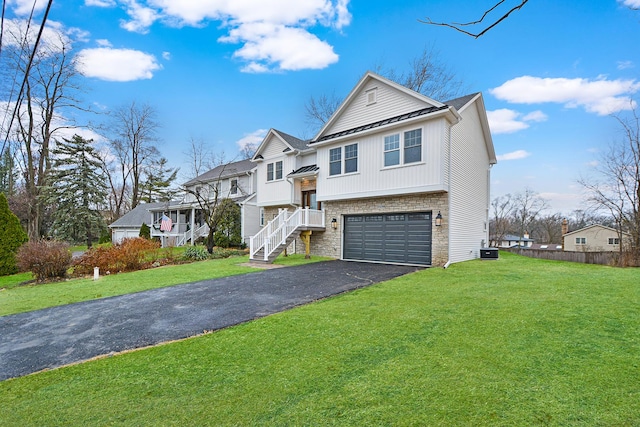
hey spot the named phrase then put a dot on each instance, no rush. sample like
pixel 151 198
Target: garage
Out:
pixel 403 238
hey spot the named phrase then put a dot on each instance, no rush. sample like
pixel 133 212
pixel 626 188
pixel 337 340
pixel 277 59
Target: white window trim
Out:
pixel 274 172
pixel 402 149
pixel 343 161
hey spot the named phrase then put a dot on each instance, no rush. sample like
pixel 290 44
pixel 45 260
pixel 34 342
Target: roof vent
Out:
pixel 372 96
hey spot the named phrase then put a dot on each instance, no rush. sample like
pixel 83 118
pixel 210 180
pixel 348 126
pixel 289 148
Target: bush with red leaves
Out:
pixel 45 259
pixel 128 255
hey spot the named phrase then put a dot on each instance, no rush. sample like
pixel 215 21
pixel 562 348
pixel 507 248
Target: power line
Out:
pixel 26 72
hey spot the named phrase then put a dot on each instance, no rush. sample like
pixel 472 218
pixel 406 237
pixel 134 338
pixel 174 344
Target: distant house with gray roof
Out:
pixel 128 225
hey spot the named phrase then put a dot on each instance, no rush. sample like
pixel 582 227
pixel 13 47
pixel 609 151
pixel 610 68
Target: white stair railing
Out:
pixel 198 232
pixel 278 230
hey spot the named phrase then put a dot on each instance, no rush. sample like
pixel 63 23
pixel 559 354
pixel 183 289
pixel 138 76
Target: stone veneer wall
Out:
pixel 328 243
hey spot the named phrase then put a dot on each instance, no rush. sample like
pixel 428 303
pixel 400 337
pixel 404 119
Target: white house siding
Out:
pixel 250 219
pixel 373 179
pixel 388 100
pixel 118 235
pixel 469 189
pixel 278 192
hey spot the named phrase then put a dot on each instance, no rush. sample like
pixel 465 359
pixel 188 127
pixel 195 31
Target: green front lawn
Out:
pixel 516 341
pixel 17 299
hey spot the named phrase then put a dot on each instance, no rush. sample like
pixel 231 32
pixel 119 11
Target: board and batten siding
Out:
pixel 375 180
pixel 279 192
pixel 469 188
pixel 387 99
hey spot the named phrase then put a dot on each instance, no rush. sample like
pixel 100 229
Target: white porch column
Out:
pixel 193 224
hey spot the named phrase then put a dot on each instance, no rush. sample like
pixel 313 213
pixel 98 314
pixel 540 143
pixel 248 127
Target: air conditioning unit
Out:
pixel 489 253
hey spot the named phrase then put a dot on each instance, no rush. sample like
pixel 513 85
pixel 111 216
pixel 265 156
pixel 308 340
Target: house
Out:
pixel 393 176
pixel 128 225
pixel 235 180
pixel 594 238
pixel 510 241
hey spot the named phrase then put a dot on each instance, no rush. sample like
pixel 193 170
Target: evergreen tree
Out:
pixel 78 189
pixel 158 180
pixel 145 231
pixel 229 232
pixel 8 173
pixel 12 236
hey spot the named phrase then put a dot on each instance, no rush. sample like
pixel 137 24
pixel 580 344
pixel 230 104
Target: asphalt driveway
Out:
pixel 57 336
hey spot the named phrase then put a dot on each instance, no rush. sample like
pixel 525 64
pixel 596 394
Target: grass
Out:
pixel 17 299
pixel 516 341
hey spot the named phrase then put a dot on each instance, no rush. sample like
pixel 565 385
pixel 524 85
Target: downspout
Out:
pixel 448 263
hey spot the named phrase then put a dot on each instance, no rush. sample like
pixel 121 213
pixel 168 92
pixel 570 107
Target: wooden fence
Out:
pixel 603 258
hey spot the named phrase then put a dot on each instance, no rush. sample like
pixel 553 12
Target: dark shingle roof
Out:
pixel 395 119
pixel 458 103
pixel 294 142
pixel 304 170
pixel 134 218
pixel 223 171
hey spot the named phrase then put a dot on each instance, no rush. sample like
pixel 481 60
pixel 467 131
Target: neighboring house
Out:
pixel 393 176
pixel 510 241
pixel 235 181
pixel 128 225
pixel 594 238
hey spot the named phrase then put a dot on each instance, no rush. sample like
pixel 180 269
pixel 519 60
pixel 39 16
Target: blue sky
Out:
pixel 227 71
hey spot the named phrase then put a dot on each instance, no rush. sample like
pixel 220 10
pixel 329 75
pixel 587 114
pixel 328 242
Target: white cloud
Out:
pixel 141 17
pixel 508 121
pixel 103 43
pixel 593 163
pixel 599 96
pixel 634 4
pixel 100 3
pixel 120 65
pixel 625 65
pixel 23 7
pixel 515 155
pixel 252 139
pixel 275 35
pixel 54 37
pixel 166 56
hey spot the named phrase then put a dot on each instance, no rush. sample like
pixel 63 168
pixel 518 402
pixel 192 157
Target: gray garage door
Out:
pixel 396 238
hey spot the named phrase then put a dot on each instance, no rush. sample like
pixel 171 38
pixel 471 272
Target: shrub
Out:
pixel 128 255
pixel 12 236
pixel 195 253
pixel 226 253
pixel 145 231
pixel 45 259
pixel 105 237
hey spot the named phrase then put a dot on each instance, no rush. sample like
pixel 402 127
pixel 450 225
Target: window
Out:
pixel 614 241
pixel 234 186
pixel 261 217
pixel 351 158
pixel 581 240
pixel 274 171
pixel 413 146
pixel 392 150
pixel 335 161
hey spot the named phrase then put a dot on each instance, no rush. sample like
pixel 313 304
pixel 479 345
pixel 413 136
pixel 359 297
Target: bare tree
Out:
pixel 319 110
pixel 50 89
pixel 213 203
pixel 460 26
pixel 527 207
pixel 134 149
pixel 200 157
pixel 501 223
pixel 615 186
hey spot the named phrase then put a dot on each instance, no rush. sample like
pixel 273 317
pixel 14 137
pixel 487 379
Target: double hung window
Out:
pixel 350 158
pixel 274 171
pixel 407 150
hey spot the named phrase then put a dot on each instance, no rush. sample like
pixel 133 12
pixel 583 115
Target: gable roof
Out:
pixel 460 102
pixel 594 226
pixel 368 76
pixel 292 143
pixel 223 171
pixel 135 217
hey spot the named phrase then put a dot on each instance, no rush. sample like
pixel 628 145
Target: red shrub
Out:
pixel 128 255
pixel 45 259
